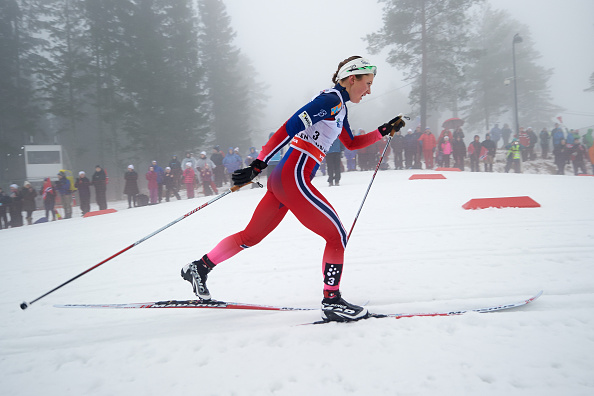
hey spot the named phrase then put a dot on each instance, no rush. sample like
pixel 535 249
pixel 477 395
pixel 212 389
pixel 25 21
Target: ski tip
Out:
pixel 535 296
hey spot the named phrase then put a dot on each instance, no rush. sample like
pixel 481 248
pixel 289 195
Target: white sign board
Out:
pixel 43 161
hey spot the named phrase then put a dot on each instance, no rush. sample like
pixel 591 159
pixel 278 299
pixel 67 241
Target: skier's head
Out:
pixel 356 75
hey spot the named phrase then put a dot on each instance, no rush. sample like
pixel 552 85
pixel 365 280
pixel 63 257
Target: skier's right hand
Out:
pixel 246 175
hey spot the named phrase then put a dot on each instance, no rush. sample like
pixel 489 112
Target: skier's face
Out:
pixel 358 88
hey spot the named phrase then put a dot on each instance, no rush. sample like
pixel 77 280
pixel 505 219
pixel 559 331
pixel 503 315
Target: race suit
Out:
pixel 309 133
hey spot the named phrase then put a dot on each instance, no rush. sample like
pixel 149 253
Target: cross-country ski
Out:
pixel 214 304
pixel 494 308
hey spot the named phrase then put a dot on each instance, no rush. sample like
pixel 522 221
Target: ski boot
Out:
pixel 196 273
pixel 335 309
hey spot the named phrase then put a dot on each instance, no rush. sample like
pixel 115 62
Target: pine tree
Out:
pixel 67 81
pixel 104 18
pixel 20 60
pixel 161 77
pixel 230 110
pixel 427 38
pixel 491 77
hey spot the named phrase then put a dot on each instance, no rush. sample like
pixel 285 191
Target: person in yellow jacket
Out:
pixel 514 156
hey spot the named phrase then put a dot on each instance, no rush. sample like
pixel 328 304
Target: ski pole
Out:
pixel 25 305
pixel 373 177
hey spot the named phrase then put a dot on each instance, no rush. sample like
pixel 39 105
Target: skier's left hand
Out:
pixel 395 124
pixel 246 175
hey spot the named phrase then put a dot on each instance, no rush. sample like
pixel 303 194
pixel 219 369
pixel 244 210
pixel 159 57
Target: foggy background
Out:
pixel 268 58
pixel 296 46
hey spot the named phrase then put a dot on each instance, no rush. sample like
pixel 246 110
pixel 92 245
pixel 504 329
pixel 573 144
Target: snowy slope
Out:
pixel 414 249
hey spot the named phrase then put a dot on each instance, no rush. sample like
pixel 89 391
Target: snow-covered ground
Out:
pixel 414 249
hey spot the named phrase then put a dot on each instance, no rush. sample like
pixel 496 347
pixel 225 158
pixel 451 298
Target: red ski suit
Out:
pixel 289 185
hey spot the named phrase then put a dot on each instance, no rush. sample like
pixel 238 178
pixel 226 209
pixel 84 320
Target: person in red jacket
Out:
pixel 206 176
pixel 189 177
pixel 474 152
pixel 153 186
pixel 443 134
pixel 428 143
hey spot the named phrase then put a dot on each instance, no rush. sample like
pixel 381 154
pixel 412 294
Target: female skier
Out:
pixel 309 132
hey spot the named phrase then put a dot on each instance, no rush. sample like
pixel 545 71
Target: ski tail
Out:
pixel 203 304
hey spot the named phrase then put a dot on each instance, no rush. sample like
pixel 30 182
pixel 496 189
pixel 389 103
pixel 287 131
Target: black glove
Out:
pixel 395 124
pixel 246 175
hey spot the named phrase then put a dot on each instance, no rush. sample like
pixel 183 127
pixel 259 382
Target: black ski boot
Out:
pixel 196 273
pixel 335 309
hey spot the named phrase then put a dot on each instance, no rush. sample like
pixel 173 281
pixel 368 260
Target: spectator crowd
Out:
pixel 190 175
pixel 567 150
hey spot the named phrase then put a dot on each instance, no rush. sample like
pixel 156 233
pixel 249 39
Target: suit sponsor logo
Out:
pixel 321 114
pixel 306 119
pixel 336 109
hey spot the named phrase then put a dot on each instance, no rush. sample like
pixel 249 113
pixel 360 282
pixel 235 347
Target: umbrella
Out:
pixel 453 123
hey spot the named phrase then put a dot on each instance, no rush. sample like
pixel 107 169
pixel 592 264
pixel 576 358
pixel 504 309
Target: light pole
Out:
pixel 517 39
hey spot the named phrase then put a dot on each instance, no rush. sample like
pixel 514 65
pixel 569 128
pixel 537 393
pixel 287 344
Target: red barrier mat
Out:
pixel 503 202
pixel 422 176
pixel 99 212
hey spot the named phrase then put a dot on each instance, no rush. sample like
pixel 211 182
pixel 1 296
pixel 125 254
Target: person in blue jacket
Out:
pixel 333 163
pixel 63 187
pixel 557 134
pixel 232 161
